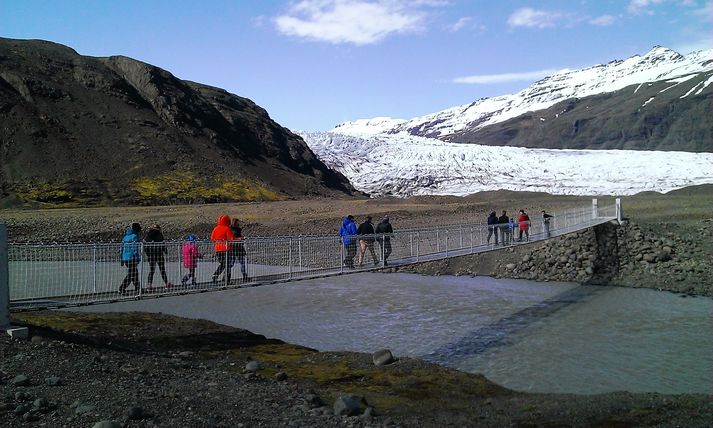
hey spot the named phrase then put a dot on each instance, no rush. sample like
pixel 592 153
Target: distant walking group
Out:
pixel 506 226
pixel 365 235
pixel 228 244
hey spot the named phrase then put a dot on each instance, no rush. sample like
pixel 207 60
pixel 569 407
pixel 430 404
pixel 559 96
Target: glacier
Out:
pixel 406 165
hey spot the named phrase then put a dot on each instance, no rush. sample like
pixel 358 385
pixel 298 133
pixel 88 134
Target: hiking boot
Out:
pixel 169 285
pixel 184 280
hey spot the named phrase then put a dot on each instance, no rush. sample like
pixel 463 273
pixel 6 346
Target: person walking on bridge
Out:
pixel 366 241
pixel 220 236
pixel 385 233
pixel 190 255
pixel 155 250
pixel 493 227
pixel 131 257
pixel 546 223
pixel 524 221
pixel 237 249
pixel 347 235
pixel 502 224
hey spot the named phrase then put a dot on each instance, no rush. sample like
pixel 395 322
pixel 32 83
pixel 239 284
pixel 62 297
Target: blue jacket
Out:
pixel 130 246
pixel 347 231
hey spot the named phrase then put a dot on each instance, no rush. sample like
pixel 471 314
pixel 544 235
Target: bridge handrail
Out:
pixel 58 275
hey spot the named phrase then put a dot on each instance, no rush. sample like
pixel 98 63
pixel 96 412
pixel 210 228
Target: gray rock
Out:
pixel 107 424
pixel 30 417
pixel 346 406
pixel 53 381
pixel 280 376
pixel 313 401
pixel 20 380
pixel 510 266
pixel 382 357
pixel 22 408
pixel 526 258
pixel 23 396
pixel 649 258
pixel 663 256
pixel 253 366
pixel 84 408
pixel 36 339
pixel 41 403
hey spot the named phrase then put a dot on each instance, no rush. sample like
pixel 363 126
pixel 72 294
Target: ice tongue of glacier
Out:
pixel 405 165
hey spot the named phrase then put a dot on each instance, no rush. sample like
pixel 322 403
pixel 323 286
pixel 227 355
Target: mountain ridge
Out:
pixel 83 130
pixel 464 123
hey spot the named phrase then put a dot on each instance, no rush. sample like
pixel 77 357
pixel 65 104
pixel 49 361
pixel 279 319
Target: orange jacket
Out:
pixel 222 234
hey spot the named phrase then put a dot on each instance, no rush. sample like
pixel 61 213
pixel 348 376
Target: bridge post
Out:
pixel 94 267
pixel 619 213
pixel 4 280
pixel 289 257
pixel 595 209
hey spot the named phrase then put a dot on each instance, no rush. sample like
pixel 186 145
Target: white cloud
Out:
pixel 359 22
pixel 603 21
pixel 487 79
pixel 462 22
pixel 638 7
pixel 706 12
pixel 704 43
pixel 532 18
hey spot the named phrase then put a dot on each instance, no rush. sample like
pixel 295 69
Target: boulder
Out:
pixel 382 357
pixel 346 406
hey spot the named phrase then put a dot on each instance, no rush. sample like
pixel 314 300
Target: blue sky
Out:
pixel 315 63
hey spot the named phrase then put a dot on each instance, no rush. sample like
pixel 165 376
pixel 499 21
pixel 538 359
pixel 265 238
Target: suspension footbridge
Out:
pixel 42 276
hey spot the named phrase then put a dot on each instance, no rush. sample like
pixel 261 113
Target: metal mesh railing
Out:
pixel 58 275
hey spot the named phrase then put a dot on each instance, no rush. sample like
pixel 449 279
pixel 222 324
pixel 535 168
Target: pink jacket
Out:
pixel 190 254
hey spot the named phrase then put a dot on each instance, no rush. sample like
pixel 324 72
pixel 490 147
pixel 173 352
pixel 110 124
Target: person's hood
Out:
pixel 224 220
pixel 129 232
pixel 346 221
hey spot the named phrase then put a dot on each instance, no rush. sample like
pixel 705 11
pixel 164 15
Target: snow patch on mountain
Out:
pixel 405 165
pixel 658 64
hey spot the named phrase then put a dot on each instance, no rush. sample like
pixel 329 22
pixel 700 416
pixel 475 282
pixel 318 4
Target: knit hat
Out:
pixel 191 237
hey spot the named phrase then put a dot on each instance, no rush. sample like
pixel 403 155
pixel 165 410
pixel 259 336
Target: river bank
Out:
pixel 662 256
pixel 144 370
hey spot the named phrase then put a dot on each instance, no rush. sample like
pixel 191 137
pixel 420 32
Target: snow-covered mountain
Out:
pixel 660 64
pixel 657 101
pixel 406 165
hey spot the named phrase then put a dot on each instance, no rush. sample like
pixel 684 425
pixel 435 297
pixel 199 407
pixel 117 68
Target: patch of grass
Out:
pixel 44 191
pixel 185 186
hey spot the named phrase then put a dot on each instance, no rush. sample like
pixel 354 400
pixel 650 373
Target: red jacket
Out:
pixel 524 221
pixel 222 234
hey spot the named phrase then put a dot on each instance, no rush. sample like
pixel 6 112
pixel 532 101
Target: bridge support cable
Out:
pixel 39 275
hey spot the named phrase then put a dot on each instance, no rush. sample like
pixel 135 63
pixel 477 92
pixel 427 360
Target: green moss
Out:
pixel 43 191
pixel 185 186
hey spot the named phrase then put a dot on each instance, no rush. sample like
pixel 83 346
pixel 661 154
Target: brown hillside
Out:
pixel 77 130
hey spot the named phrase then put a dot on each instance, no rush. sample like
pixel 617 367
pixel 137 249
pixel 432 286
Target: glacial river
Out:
pixel 525 335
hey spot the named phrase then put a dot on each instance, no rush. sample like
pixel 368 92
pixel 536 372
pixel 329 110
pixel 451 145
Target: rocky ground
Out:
pixel 143 370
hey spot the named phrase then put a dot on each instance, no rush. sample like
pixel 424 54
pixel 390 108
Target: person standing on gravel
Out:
pixel 347 236
pixel 492 227
pixel 155 250
pixel 130 251
pixel 503 221
pixel 366 242
pixel 385 233
pixel 221 236
pixel 237 249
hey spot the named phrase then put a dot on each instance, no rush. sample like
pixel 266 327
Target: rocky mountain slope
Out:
pixel 659 101
pixel 81 130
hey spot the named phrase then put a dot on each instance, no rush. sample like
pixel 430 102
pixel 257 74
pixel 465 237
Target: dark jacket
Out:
pixel 366 228
pixel 237 247
pixel 503 221
pixel 384 227
pixel 492 219
pixel 347 231
pixel 154 247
